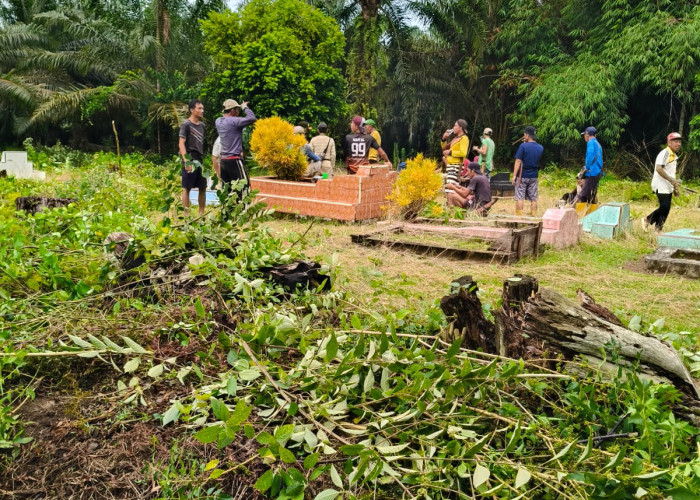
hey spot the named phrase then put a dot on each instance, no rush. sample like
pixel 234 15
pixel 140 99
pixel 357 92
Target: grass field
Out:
pixel 612 271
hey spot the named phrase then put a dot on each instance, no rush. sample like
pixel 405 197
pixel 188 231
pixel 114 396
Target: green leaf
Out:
pixel 134 346
pixel 215 473
pixel 264 482
pixel 335 477
pixel 635 323
pixel 369 381
pixel 617 459
pixel 390 450
pixel 522 477
pixel 476 448
pixel 283 433
pixel 652 475
pixel 287 456
pixel 480 476
pixel 96 342
pixel 172 414
pixel 249 431
pixel 311 461
pixel 331 349
pixel 80 342
pixel 132 365
pixel 211 464
pixel 352 450
pixel 208 434
pixel 586 450
pixel 156 371
pixel 514 438
pixel 355 322
pixel 328 494
pixel 559 455
pixel 240 414
pixel 199 308
pixel 231 386
pixel 220 410
pixel 454 348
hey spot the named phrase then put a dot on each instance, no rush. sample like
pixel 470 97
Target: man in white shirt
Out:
pixel 664 182
pixel 215 157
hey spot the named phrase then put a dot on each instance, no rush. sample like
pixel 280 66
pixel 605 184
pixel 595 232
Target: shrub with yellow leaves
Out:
pixel 416 186
pixel 276 147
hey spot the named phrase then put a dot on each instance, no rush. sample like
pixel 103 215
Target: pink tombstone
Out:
pixel 560 227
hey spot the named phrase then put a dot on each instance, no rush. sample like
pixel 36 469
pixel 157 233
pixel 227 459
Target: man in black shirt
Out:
pixel 476 196
pixel 192 143
pixel 357 146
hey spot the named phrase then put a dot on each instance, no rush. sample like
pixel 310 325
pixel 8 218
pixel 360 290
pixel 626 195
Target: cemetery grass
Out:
pixel 190 375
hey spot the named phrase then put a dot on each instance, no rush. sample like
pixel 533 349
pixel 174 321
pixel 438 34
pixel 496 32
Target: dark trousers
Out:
pixel 658 216
pixel 589 189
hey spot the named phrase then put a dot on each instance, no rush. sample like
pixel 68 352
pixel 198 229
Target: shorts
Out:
pixel 233 170
pixel 194 179
pixel 527 190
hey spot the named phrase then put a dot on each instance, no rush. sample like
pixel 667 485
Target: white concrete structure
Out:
pixel 15 164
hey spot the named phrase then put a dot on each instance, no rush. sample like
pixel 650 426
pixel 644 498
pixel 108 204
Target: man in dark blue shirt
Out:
pixel 593 169
pixel 527 161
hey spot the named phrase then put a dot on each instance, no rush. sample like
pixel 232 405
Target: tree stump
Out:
pixel 463 308
pixel 35 204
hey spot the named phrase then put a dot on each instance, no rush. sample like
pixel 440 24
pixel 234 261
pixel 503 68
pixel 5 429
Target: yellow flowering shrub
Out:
pixel 276 147
pixel 417 185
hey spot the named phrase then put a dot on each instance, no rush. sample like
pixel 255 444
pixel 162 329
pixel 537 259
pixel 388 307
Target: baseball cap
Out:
pixel 589 131
pixel 531 131
pixel 673 136
pixel 357 120
pixel 370 122
pixel 231 103
pixel 473 166
pixel 488 131
pixel 299 130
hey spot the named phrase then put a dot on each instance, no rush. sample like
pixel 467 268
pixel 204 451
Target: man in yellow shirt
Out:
pixel 371 129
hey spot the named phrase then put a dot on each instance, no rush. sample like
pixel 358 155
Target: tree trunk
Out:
pixel 463 309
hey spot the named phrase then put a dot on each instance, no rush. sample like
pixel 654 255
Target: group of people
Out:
pixel 227 153
pixel 467 181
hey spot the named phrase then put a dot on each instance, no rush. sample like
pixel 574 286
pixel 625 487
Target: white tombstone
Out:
pixel 15 164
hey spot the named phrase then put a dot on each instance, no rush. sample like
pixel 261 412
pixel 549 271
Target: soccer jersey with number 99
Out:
pixel 357 148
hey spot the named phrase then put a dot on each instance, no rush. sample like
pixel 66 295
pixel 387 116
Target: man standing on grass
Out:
pixel 593 168
pixel 527 160
pixel 230 127
pixel 664 182
pixel 192 143
pixel 486 151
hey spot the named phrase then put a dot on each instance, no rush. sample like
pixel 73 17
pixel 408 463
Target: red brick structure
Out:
pixel 344 197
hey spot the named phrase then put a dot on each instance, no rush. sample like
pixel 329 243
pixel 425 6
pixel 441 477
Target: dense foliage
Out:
pixel 282 55
pixel 417 185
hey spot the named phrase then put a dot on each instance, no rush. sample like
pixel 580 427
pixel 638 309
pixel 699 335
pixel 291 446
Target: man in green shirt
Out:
pixel 486 151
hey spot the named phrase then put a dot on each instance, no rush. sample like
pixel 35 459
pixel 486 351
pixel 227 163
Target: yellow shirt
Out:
pixel 458 151
pixel 373 153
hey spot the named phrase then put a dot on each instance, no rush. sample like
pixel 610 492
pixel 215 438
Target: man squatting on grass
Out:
pixel 230 127
pixel 527 160
pixel 476 196
pixel 192 143
pixel 664 182
pixel 593 167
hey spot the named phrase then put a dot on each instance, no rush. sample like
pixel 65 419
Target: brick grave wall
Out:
pixel 343 197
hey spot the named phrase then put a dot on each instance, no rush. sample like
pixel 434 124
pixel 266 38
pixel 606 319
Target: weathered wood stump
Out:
pixel 533 321
pixel 35 204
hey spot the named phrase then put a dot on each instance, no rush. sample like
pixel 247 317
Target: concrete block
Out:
pixel 616 215
pixel 560 227
pixel 603 230
pixel 15 164
pixel 685 262
pixel 681 238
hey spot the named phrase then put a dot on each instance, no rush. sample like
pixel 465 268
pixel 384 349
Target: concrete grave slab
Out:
pixel 685 262
pixel 610 220
pixel 15 164
pixel 560 227
pixel 681 238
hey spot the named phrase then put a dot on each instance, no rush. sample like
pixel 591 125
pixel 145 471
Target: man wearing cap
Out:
pixel 664 182
pixel 324 147
pixel 191 143
pixel 593 168
pixel 357 146
pixel 476 196
pixel 230 127
pixel 486 152
pixel 527 160
pixel 370 128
